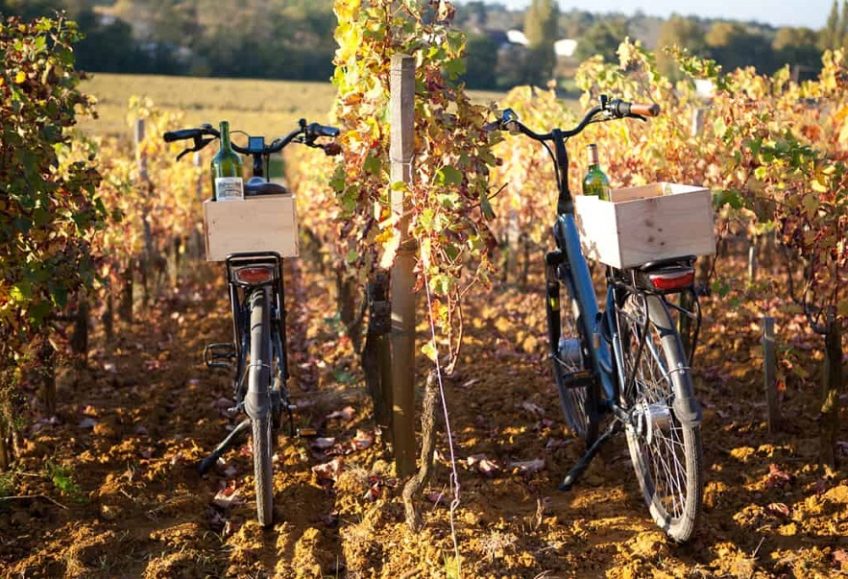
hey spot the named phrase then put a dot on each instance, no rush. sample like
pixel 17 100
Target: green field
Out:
pixel 261 107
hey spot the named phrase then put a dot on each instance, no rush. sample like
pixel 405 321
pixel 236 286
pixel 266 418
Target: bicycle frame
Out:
pixel 573 270
pixel 569 266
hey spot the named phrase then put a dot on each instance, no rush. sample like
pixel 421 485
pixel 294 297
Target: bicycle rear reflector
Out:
pixel 254 274
pixel 672 280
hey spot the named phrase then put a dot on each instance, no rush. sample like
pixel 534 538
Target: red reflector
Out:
pixel 254 274
pixel 672 281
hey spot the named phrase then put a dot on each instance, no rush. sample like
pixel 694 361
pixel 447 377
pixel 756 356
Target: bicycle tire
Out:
pixel 260 378
pixel 579 405
pixel 667 455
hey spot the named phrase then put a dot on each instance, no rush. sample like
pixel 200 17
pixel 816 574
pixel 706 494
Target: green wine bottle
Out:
pixel 227 170
pixel 595 182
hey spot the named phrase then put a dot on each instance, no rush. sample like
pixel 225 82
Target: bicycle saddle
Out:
pixel 264 188
pixel 685 260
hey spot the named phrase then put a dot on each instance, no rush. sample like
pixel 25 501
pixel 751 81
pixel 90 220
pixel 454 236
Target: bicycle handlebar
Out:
pixel 612 109
pixel 182 135
pixel 307 133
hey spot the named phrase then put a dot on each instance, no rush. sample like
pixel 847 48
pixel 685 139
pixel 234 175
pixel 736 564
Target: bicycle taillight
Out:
pixel 672 280
pixel 254 274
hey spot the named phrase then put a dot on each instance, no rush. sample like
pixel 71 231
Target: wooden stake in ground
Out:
pixel 831 385
pixel 402 277
pixel 770 374
pixel 376 356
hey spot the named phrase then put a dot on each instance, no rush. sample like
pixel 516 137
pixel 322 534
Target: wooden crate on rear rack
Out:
pixel 255 224
pixel 647 223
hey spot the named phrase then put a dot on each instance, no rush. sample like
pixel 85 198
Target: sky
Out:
pixel 810 13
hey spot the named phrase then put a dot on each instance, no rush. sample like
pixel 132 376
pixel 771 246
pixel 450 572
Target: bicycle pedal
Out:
pixel 307 432
pixel 580 379
pixel 219 355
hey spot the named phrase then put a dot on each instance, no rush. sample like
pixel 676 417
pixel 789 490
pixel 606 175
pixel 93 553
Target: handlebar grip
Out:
pixel 316 130
pixel 182 135
pixel 493 126
pixel 645 110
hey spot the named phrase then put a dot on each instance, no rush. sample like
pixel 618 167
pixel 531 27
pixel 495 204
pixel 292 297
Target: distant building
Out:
pixel 517 37
pixel 565 48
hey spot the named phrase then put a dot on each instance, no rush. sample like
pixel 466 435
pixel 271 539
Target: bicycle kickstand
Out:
pixel 578 469
pixel 219 451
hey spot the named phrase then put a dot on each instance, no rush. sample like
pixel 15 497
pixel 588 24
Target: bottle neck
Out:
pixel 225 134
pixel 592 156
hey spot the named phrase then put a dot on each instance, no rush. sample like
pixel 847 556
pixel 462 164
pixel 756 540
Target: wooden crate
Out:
pixel 255 224
pixel 648 223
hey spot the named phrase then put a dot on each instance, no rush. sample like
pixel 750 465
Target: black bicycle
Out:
pixel 627 361
pixel 258 350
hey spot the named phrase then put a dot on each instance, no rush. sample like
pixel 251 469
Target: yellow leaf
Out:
pixel 429 350
pixel 818 187
pixel 20 77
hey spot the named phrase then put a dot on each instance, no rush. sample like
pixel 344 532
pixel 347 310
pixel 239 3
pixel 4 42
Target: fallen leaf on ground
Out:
pixel 532 408
pixel 483 465
pixel 227 496
pixel 779 509
pixel 778 477
pixel 329 470
pixel 363 439
pixel 528 466
pixel 345 414
pixel 373 492
pixel 322 443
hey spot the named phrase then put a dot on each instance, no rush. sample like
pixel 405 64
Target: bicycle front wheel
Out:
pixel 259 389
pixel 571 358
pixel 666 452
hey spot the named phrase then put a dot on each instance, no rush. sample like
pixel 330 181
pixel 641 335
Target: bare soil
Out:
pixel 120 458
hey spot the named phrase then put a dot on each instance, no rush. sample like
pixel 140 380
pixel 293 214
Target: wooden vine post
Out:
pixel 832 380
pixel 402 105
pixel 770 375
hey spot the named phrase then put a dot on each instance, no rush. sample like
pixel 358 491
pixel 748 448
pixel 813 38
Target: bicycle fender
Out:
pixel 687 409
pixel 257 404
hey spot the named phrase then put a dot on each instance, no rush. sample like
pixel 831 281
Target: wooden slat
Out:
pixel 665 227
pixel 596 223
pixel 266 223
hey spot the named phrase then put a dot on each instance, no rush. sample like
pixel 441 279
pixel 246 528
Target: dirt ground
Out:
pixel 119 462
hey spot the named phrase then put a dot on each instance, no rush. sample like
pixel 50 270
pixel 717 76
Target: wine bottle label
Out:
pixel 229 188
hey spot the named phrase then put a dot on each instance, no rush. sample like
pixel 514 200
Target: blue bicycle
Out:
pixel 627 361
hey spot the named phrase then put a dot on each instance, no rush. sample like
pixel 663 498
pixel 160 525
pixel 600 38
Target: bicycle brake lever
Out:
pixel 199 143
pixel 331 149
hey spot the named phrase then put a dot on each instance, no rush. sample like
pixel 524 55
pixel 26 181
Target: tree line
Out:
pixel 293 39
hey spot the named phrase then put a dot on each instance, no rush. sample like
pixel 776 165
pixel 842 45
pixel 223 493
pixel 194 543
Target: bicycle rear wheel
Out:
pixel 666 452
pixel 259 382
pixel 579 403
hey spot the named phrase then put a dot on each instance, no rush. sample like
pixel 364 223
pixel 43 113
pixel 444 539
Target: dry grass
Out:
pixel 261 107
